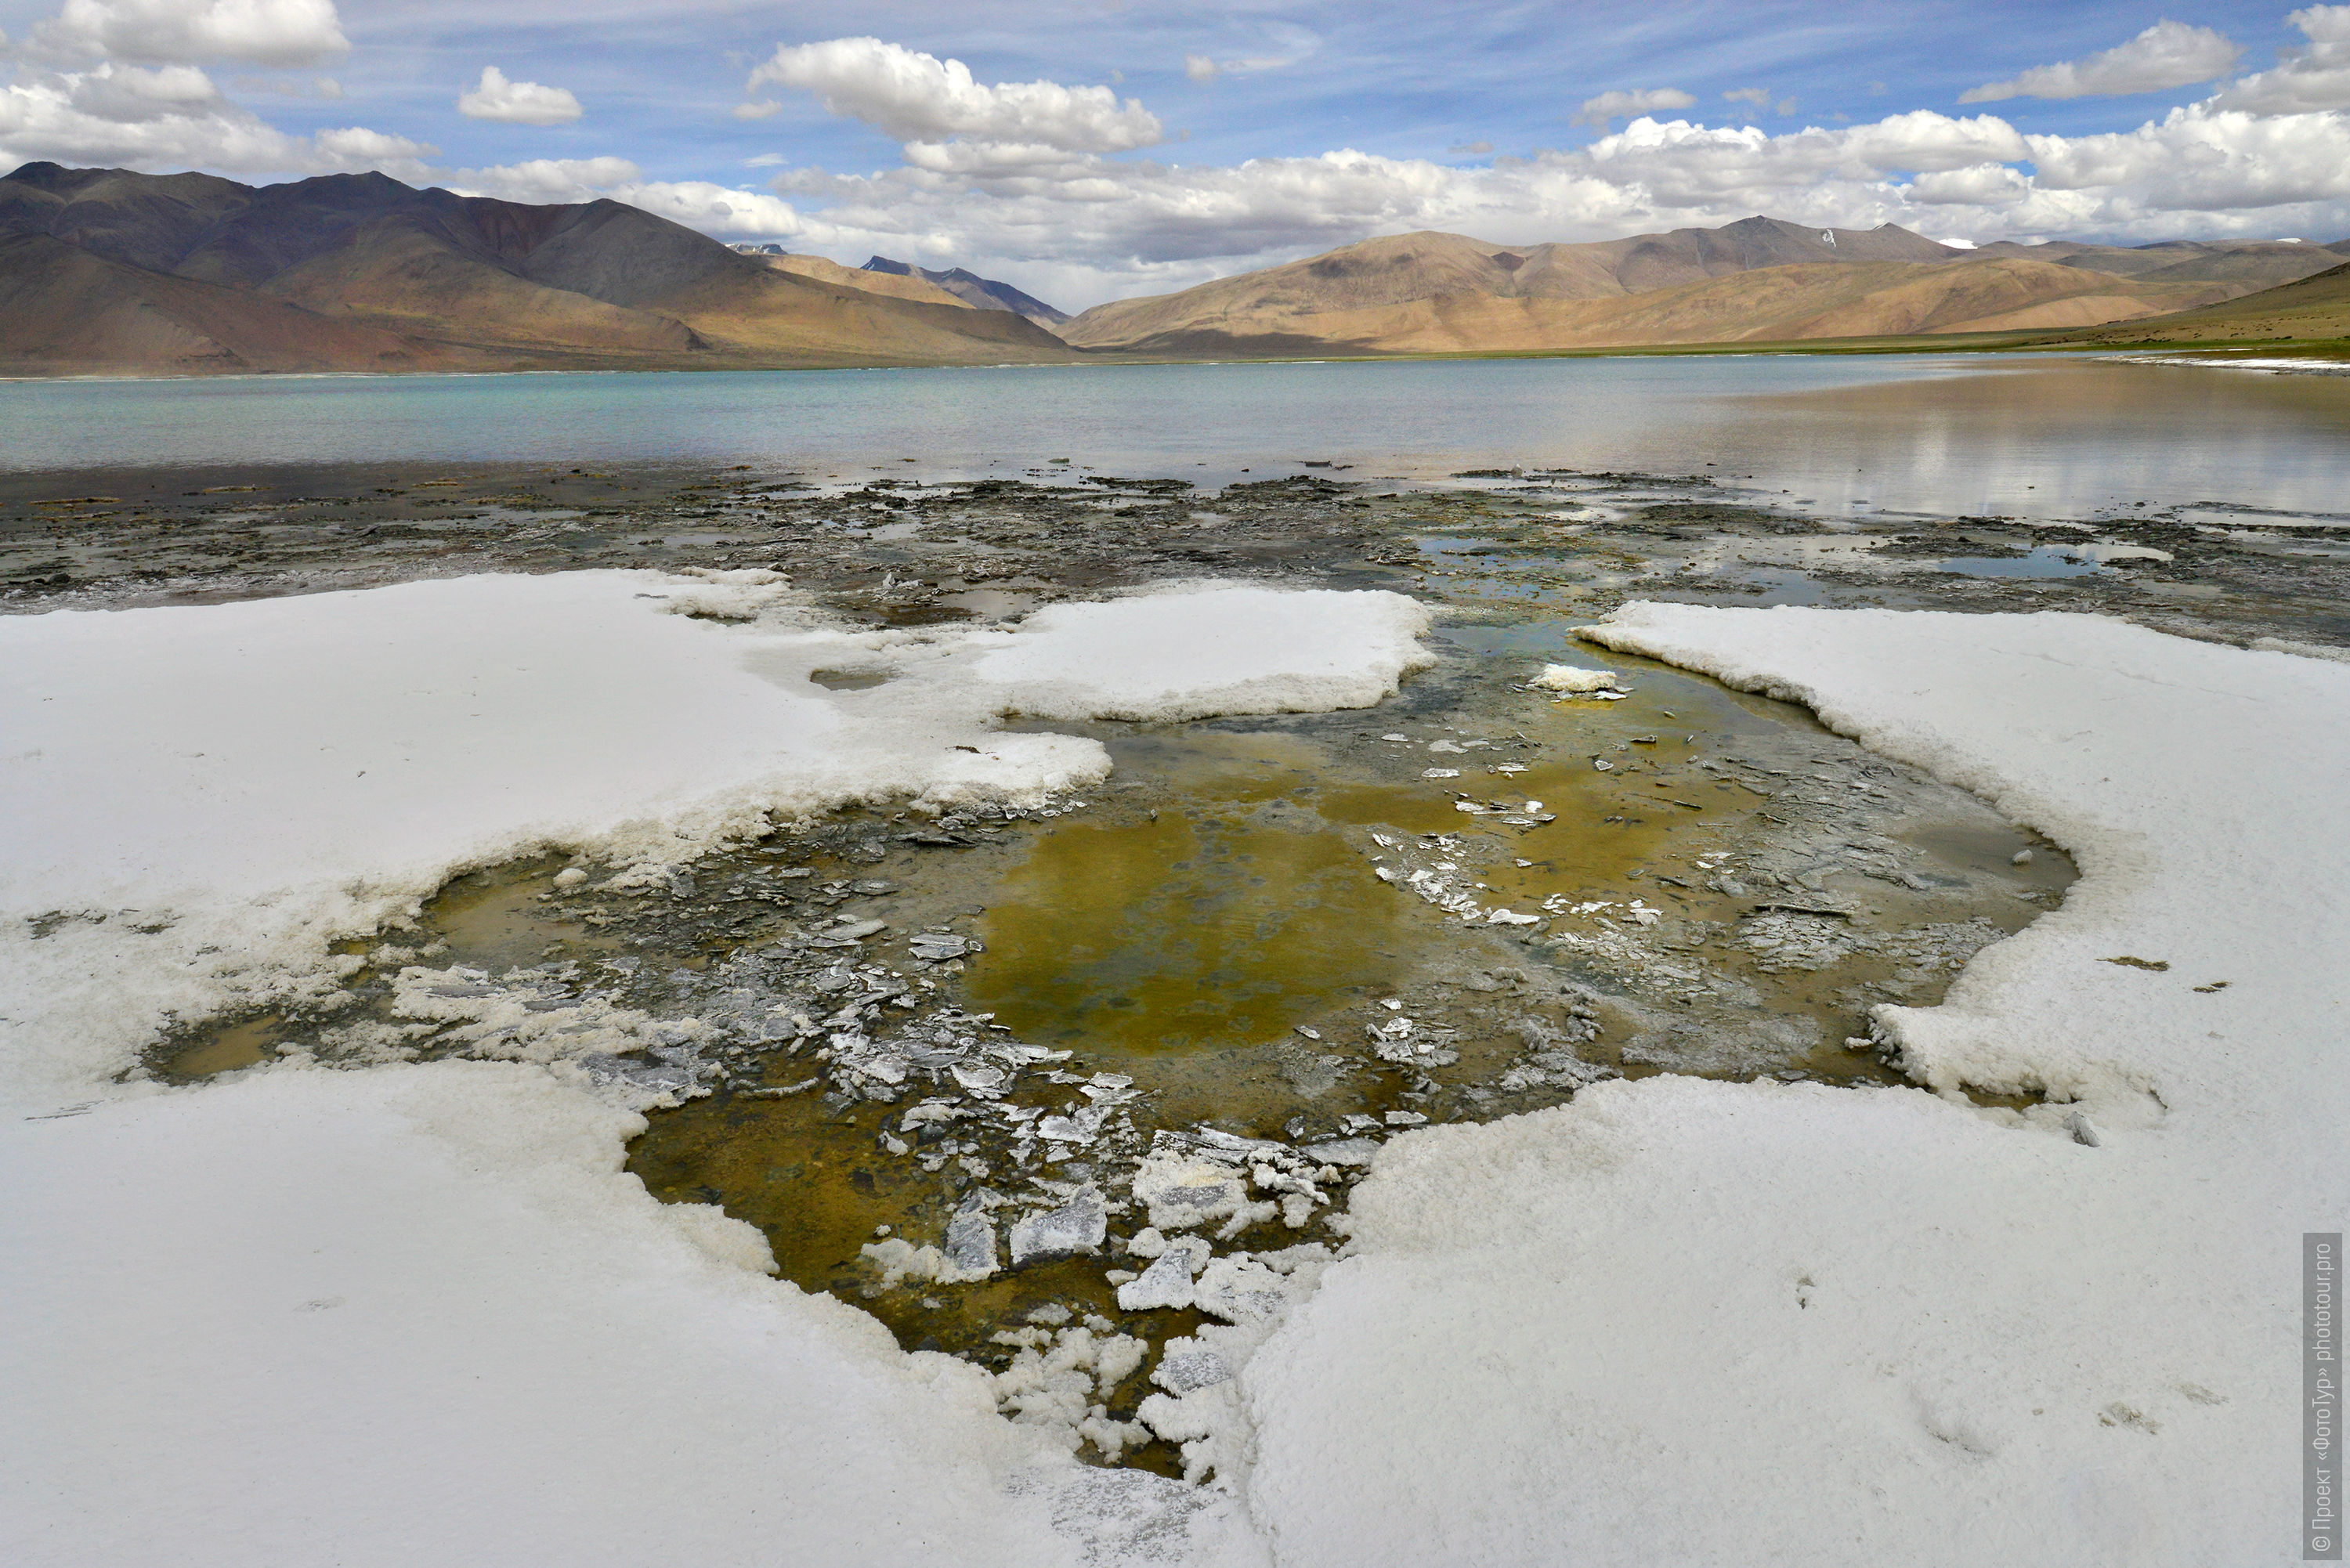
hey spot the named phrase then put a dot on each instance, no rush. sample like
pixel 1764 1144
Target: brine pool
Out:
pixel 1310 931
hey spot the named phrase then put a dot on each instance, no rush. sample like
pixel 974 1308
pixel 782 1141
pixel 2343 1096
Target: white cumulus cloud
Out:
pixel 174 117
pixel 2166 55
pixel 1079 228
pixel 2312 76
pixel 155 32
pixel 1612 106
pixel 546 180
pixel 517 103
pixel 697 204
pixel 915 97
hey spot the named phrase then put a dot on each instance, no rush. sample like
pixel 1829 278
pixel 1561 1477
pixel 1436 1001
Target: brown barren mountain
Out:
pixel 2308 312
pixel 1406 269
pixel 1758 280
pixel 181 273
pixel 2263 264
pixel 1775 304
pixel 67 309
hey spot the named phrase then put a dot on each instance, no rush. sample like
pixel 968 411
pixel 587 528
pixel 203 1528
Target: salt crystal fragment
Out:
pixel 1180 1375
pixel 1168 1282
pixel 1077 1226
pixel 1568 677
pixel 971 1239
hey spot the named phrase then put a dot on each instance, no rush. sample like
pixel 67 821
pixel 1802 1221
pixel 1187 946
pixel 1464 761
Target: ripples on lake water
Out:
pixel 1934 433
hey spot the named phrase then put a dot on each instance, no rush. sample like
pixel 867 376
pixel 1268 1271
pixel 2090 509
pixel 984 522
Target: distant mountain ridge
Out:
pixel 110 271
pixel 957 286
pixel 830 271
pixel 2265 262
pixel 1757 279
pixel 984 293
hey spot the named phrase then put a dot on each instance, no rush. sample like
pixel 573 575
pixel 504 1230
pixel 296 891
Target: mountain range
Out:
pixel 103 271
pixel 1761 279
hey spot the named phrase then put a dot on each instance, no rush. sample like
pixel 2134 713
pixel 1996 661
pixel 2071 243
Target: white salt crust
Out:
pixel 254 779
pixel 417 1314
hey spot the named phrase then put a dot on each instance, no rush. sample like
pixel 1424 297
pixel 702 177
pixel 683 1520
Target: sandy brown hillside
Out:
pixel 1761 279
pixel 2310 310
pixel 1404 268
pixel 69 311
pixel 2259 262
pixel 360 272
pixel 1785 304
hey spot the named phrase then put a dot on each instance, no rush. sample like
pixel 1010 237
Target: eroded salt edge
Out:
pixel 415 1311
pixel 1732 1324
pixel 200 799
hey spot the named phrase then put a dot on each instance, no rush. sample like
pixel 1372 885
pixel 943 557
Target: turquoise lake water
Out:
pixel 1941 434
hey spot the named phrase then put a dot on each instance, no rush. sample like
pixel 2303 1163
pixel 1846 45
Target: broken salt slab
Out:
pixel 1077 1226
pixel 1568 677
pixel 1070 1129
pixel 1213 1138
pixel 1180 1192
pixel 1181 1373
pixel 1240 1289
pixel 1168 1282
pixel 1342 1151
pixel 898 1259
pixel 978 1079
pixel 971 1239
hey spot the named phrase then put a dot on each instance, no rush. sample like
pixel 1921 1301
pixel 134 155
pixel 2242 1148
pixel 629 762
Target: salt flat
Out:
pixel 415 1311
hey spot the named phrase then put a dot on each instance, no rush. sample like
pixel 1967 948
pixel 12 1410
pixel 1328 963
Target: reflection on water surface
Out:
pixel 1949 435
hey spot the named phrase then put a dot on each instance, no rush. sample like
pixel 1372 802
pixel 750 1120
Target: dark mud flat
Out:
pixel 987 1075
pixel 882 545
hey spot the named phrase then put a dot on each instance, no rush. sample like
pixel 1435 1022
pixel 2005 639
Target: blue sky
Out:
pixel 1163 144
